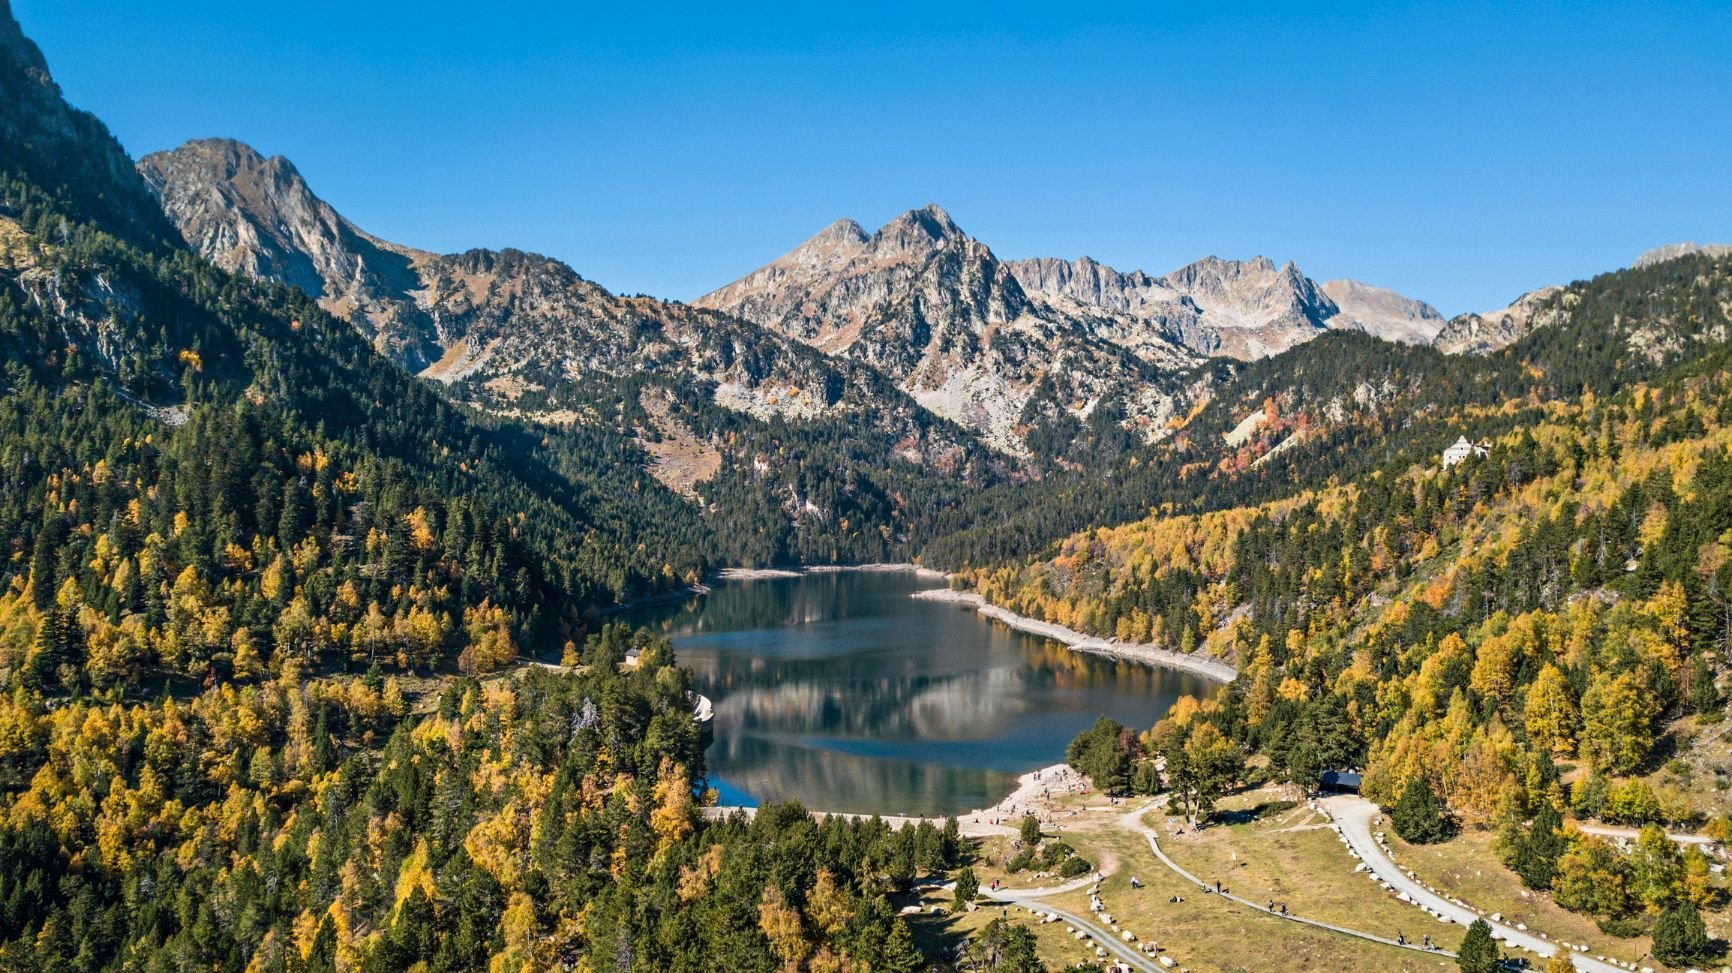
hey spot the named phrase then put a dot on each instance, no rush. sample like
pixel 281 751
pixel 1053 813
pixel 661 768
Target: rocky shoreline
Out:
pixel 1201 666
pixel 759 574
pixel 768 574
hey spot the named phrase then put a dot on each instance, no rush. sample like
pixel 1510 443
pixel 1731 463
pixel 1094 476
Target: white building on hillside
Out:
pixel 1461 449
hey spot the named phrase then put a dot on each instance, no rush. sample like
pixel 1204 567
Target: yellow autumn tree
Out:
pixel 780 924
pixel 1550 716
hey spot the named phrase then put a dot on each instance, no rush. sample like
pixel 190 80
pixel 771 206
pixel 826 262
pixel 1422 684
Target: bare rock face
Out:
pixel 1672 251
pixel 1483 333
pixel 505 323
pixel 1241 309
pixel 67 152
pixel 1143 304
pixel 1253 308
pixel 1384 313
pixel 939 314
pixel 256 216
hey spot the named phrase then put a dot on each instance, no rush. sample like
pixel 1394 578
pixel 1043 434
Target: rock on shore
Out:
pixel 1196 665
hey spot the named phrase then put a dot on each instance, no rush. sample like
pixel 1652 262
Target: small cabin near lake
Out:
pixel 1340 781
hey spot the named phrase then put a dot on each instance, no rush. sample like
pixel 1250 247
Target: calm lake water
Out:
pixel 842 692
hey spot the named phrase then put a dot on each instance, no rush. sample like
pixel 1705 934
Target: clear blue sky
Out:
pixel 1459 153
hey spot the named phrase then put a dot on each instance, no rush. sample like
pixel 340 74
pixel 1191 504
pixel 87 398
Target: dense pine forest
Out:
pixel 1462 633
pixel 236 536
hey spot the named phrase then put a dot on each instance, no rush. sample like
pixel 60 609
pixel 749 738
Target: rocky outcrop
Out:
pixel 1672 251
pixel 1482 333
pixel 1241 309
pixel 513 332
pixel 939 314
pixel 1252 309
pixel 256 216
pixel 1384 313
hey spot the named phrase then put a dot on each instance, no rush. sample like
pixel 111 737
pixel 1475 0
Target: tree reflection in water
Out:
pixel 841 691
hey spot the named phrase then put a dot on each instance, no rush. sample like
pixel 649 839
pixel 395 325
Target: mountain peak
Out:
pixel 1672 251
pixel 255 215
pixel 842 231
pixel 229 160
pixel 1382 312
pixel 919 229
pixel 13 41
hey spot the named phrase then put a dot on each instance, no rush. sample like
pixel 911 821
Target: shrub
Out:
pixel 1030 830
pixel 1623 927
pixel 1679 937
pixel 1478 953
pixel 1420 817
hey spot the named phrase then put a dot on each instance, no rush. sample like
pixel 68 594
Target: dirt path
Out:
pixel 1102 937
pixel 1354 815
pixel 1132 821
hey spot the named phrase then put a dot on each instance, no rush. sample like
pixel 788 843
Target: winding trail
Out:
pixel 1354 815
pixel 1133 821
pixel 1703 842
pixel 1103 938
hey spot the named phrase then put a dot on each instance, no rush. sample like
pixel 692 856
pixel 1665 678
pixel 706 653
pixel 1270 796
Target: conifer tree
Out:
pixel 1679 936
pixel 967 887
pixel 1478 952
pixel 1419 816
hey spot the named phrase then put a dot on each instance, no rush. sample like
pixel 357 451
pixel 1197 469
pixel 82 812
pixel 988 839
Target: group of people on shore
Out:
pixel 1034 797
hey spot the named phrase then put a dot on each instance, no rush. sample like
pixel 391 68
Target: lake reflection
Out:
pixel 841 691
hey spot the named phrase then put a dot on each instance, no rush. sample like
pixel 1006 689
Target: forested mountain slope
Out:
pixel 235 534
pixel 1559 597
pixel 167 416
pixel 1343 406
pixel 796 456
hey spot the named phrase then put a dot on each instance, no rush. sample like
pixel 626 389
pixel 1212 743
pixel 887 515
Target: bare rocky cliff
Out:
pixel 1382 312
pixel 507 322
pixel 939 314
pixel 1243 309
pixel 1479 333
pixel 256 216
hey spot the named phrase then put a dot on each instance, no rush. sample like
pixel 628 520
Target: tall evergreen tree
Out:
pixel 1479 952
pixel 1419 816
pixel 1679 936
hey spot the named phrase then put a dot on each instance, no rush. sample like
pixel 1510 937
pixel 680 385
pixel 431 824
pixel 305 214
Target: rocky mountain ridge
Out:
pixel 1004 348
pixel 90 173
pixel 503 324
pixel 256 216
pixel 1488 331
pixel 1244 309
pixel 843 289
pixel 1382 312
pixel 1672 251
pixel 1480 333
pixel 938 313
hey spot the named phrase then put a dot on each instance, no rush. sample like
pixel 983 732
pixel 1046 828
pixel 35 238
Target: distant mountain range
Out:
pixel 508 321
pixel 1005 348
pixel 836 287
pixel 937 312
